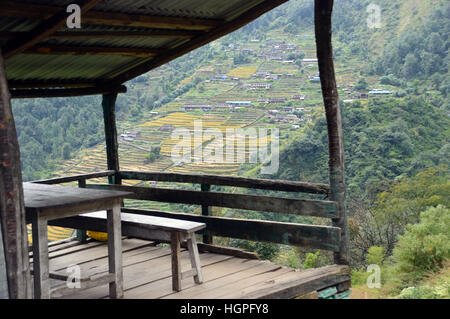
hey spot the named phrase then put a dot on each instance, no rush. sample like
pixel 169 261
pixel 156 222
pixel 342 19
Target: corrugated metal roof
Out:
pixel 40 69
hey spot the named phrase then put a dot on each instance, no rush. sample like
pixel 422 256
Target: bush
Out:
pixel 425 246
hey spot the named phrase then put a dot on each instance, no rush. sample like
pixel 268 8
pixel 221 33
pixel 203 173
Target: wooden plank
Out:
pixel 64 290
pixel 91 50
pixel 74 178
pixel 162 287
pixel 80 257
pixel 320 237
pixel 258 183
pixel 27 10
pixel 59 200
pixel 231 282
pixel 153 271
pixel 304 207
pixel 154 222
pixel 323 27
pixel 231 251
pixel 117 34
pixel 44 29
pixel 40 93
pixel 292 285
pixel 12 211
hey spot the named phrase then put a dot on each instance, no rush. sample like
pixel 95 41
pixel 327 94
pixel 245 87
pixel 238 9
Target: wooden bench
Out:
pixel 164 229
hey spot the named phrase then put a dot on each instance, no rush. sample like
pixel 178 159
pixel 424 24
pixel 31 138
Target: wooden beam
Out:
pixel 26 10
pixel 42 93
pixel 303 207
pixel 198 41
pixel 289 287
pixel 12 210
pixel 112 146
pixel 74 178
pixel 91 50
pixel 43 84
pixel 310 236
pixel 323 31
pixel 151 33
pixel 43 30
pixel 257 183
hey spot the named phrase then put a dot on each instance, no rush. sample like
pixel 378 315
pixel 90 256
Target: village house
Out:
pixel 258 85
pixel 300 97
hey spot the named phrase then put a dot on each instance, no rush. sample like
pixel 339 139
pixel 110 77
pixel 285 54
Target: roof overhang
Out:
pixel 118 40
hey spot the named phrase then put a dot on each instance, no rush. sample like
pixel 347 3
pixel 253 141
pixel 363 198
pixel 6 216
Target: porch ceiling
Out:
pixel 118 39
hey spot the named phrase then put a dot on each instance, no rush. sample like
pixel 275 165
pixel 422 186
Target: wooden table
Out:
pixel 48 202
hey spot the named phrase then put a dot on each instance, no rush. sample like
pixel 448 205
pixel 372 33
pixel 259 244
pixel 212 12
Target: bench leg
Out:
pixel 115 251
pixel 195 259
pixel 176 260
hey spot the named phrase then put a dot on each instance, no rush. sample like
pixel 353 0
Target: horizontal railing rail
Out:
pixel 311 236
pixel 257 183
pixel 75 178
pixel 304 207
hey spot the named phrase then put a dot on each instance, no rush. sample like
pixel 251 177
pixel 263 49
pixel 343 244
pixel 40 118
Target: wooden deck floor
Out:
pixel 147 273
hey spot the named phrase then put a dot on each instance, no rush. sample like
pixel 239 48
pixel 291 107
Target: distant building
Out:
pixel 380 92
pixel 239 103
pixel 310 60
pixel 277 100
pixel 295 126
pixel 193 107
pixel 298 97
pixel 288 109
pixel 259 85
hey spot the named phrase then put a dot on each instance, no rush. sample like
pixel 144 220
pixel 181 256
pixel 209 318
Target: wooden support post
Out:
pixel 322 17
pixel 207 211
pixel 81 233
pixel 12 210
pixel 112 146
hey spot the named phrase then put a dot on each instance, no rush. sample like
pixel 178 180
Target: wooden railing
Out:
pixel 312 236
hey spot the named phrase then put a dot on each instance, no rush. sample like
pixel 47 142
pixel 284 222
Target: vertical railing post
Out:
pixel 323 30
pixel 81 233
pixel 206 211
pixel 112 145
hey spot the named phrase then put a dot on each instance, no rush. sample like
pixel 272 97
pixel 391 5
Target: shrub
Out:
pixel 425 246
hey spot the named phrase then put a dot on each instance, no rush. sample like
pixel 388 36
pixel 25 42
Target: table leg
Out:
pixel 40 258
pixel 114 228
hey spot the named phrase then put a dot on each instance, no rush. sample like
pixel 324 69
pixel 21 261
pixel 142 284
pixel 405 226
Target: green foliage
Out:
pixel 312 260
pixel 425 246
pixel 361 84
pixel 375 255
pixel 264 250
